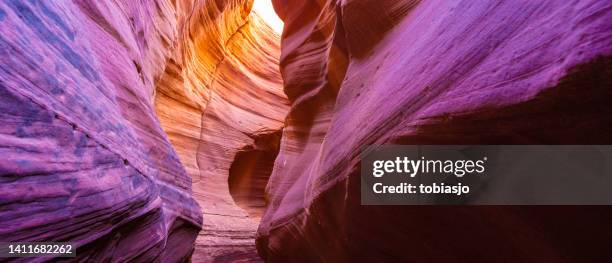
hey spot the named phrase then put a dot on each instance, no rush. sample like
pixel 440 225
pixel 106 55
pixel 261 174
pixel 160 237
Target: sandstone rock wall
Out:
pixel 433 72
pixel 87 87
pixel 221 92
pixel 84 158
pixel 120 117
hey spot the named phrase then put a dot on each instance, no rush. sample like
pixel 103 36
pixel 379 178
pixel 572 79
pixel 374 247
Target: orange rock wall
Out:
pixel 220 91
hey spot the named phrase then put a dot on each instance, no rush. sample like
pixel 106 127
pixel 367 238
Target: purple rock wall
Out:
pixel 362 72
pixel 83 157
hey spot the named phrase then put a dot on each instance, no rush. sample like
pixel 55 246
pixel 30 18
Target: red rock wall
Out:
pixel 433 72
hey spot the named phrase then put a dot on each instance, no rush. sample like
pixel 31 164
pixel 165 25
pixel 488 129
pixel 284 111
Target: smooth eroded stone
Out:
pixel 84 158
pixel 360 72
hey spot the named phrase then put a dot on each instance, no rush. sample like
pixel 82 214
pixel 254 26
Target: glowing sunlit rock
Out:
pixel 265 10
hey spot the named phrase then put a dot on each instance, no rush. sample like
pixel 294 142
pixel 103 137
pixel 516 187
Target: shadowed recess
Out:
pixel 250 172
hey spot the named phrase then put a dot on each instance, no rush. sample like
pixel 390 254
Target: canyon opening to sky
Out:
pixel 265 10
pixel 232 131
pixel 252 165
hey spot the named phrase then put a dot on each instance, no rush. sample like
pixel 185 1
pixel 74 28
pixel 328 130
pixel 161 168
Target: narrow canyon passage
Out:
pixel 193 130
pixel 154 118
pixel 228 136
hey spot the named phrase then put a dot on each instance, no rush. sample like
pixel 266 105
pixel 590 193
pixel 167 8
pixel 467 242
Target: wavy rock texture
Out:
pixel 221 98
pixel 84 158
pixel 433 72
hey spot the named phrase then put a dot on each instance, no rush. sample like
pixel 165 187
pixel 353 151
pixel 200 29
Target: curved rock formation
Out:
pixel 220 92
pixel 361 72
pixel 129 126
pixel 84 158
pixel 250 171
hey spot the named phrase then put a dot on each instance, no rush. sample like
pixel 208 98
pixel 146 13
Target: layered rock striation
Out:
pixel 222 104
pixel 119 117
pixel 84 158
pixel 433 72
pixel 129 126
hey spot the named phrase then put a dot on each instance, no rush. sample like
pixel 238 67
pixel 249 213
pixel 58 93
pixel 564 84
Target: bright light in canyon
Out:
pixel 266 11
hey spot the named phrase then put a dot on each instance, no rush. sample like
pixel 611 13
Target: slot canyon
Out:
pixel 191 130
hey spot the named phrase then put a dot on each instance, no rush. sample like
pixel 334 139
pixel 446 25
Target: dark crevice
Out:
pixel 250 171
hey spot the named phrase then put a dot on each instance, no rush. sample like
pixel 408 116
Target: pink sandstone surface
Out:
pixel 84 158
